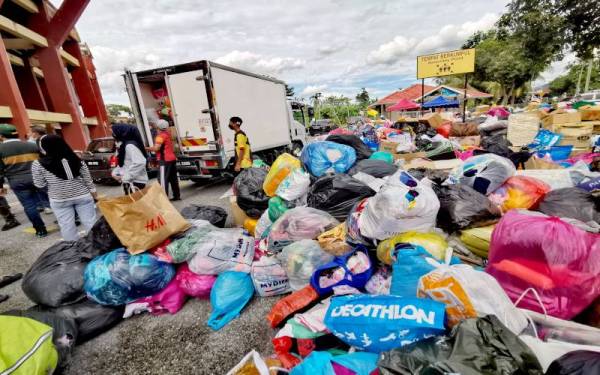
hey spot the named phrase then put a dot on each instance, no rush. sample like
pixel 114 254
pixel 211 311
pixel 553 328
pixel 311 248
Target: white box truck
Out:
pixel 200 98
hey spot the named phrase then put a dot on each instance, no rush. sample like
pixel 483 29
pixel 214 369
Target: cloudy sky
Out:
pixel 330 46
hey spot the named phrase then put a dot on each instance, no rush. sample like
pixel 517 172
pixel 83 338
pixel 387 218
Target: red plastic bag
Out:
pixel 192 284
pixel 170 299
pixel 559 261
pixel 292 303
pixel 161 252
pixel 520 192
pixel 444 129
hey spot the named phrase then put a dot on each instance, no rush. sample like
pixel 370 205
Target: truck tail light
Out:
pixel 211 163
pixel 113 161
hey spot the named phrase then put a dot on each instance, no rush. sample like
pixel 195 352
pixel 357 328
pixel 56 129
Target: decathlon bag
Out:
pixel 380 323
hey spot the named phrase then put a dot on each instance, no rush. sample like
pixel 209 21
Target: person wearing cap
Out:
pixel 16 157
pixel 165 154
pixel 243 158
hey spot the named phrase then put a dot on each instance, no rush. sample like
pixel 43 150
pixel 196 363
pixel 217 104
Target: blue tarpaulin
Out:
pixel 441 102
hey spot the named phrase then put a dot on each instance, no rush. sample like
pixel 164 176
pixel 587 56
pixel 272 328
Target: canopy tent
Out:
pixel 403 105
pixel 441 102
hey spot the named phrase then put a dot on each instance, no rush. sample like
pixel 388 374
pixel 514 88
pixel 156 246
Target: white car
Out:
pixel 590 96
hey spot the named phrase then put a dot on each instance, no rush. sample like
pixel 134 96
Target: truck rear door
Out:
pixel 190 106
pixel 133 91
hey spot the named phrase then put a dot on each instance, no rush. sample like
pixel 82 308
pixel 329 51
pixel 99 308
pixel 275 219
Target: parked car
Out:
pixel 101 157
pixel 321 126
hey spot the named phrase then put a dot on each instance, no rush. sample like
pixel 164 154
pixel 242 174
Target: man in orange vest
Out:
pixel 165 153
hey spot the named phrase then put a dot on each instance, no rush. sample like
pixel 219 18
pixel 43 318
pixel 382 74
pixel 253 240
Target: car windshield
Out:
pixel 101 145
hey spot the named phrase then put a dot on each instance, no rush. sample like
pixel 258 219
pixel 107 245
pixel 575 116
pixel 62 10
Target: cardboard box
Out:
pixel 536 163
pixel 522 128
pixel 591 113
pixel 595 126
pixel 579 135
pixel 473 140
pixel 560 117
pixel 388 146
pixel 410 156
pixel 432 119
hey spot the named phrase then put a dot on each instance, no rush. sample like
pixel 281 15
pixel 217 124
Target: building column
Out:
pixel 11 96
pixel 30 87
pixel 85 91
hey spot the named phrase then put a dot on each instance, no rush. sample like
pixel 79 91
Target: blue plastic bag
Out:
pixel 118 277
pixel 230 294
pixel 320 363
pixel 380 323
pixel 544 139
pixel 410 264
pixel 324 157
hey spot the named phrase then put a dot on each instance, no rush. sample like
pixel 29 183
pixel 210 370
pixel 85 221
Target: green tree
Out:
pixel 363 98
pixel 114 111
pixel 567 83
pixel 289 91
pixel 581 24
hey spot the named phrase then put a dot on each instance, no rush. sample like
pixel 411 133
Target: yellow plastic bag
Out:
pixel 478 240
pixel 334 240
pixel 282 166
pixel 250 225
pixel 434 243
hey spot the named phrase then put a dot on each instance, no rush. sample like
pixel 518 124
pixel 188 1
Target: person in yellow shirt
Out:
pixel 243 154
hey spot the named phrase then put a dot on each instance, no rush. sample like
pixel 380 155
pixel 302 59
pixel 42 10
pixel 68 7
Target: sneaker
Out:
pixel 41 233
pixel 175 199
pixel 10 225
pixel 48 211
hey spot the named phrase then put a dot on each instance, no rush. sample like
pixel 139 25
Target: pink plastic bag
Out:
pixel 192 284
pixel 559 261
pixel 340 131
pixel 464 155
pixel 161 252
pixel 170 299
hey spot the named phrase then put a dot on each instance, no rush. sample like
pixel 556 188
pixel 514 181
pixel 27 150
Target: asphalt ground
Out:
pixel 146 344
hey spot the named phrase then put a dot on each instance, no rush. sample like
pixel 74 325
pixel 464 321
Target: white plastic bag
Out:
pixel 469 293
pixel 269 277
pixel 262 225
pixel 548 351
pixel 294 186
pixel 398 208
pixel 230 249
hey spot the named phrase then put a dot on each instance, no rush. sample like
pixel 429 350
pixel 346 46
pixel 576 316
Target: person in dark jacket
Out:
pixel 16 157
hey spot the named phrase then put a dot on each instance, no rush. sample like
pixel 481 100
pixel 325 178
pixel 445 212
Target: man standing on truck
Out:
pixel 243 158
pixel 165 154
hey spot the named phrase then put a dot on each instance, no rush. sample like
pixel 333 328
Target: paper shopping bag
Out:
pixel 143 219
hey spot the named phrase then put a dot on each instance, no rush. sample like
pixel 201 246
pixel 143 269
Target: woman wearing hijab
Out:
pixel 132 157
pixel 70 186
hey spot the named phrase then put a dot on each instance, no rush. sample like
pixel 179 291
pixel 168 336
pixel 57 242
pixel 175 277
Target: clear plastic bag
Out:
pixel 300 260
pixel 294 186
pixel 118 278
pixel 228 249
pixel 269 277
pixel 334 241
pixel 297 224
pixel 434 243
pixel 519 192
pixel 281 168
pixel 484 173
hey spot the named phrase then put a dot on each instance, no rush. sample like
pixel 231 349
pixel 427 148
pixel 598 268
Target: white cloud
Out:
pixel 258 63
pixel 311 90
pixel 448 37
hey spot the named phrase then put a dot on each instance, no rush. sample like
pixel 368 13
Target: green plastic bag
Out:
pixel 26 347
pixel 383 155
pixel 277 207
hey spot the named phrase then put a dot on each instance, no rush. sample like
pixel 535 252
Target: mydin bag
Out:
pixel 380 323
pixel 144 219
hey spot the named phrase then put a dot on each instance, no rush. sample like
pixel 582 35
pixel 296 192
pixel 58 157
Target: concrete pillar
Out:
pixel 11 96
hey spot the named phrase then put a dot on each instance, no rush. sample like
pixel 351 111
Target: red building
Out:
pixel 46 74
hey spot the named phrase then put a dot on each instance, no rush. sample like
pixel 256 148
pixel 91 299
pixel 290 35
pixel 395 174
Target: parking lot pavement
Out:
pixel 145 344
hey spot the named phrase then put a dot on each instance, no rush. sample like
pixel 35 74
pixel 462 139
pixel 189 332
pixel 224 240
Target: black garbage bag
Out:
pixel 251 197
pixel 64 331
pixel 90 318
pixel 56 277
pixel 463 207
pixel 436 175
pixel 497 144
pixel 213 214
pixel 362 150
pixel 573 203
pixel 475 346
pixel 337 194
pixel 102 237
pixel 373 167
pixel 579 362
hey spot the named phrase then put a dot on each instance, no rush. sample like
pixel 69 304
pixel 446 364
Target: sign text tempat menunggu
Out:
pixel 446 63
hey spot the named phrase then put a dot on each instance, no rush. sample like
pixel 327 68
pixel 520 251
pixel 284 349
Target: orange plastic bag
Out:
pixel 288 305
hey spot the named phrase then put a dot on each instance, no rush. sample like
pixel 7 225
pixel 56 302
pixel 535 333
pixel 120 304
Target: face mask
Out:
pixel 231 127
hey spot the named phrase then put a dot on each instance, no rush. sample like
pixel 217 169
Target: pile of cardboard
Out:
pixel 574 131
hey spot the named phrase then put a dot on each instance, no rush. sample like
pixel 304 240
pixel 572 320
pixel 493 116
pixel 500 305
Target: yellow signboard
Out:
pixel 446 63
